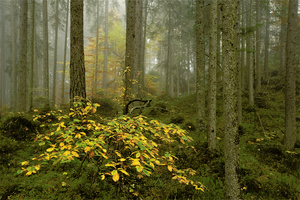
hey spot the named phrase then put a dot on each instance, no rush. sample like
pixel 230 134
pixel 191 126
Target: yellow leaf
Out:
pixel 62 144
pixel 24 163
pixel 74 153
pixel 102 177
pixel 67 153
pixel 37 167
pixel 77 135
pixel 152 165
pixel 28 173
pixel 118 154
pixel 122 159
pixel 47 138
pixel 82 133
pixel 124 172
pixel 170 168
pixel 50 149
pixel 135 162
pixel 86 149
pixel 63 184
pixel 110 165
pixel 115 175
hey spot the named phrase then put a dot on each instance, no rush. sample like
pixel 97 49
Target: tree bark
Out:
pixel 266 62
pixel 290 87
pixel 32 55
pixel 46 52
pixel 22 69
pixel 212 92
pixel 95 85
pixel 77 67
pixel 65 56
pixel 55 56
pixel 138 46
pixel 249 54
pixel 257 50
pixel 129 55
pixel 231 141
pixel 13 57
pixel 200 66
pixel 104 78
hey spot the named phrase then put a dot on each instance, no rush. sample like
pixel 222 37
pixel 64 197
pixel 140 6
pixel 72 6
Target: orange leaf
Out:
pixel 91 154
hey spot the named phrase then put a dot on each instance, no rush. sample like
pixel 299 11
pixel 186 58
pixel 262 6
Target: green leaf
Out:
pixel 140 144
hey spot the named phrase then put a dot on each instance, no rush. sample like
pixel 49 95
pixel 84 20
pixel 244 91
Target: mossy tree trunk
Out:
pixel 290 87
pixel 230 99
pixel 77 67
pixel 46 52
pixel 129 54
pixel 22 69
pixel 212 92
pixel 65 55
pixel 200 66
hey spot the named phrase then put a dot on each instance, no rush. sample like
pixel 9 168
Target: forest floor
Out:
pixel 266 171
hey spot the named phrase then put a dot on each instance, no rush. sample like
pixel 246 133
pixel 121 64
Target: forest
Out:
pixel 150 99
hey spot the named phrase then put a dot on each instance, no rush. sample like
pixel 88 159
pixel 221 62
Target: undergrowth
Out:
pixel 267 170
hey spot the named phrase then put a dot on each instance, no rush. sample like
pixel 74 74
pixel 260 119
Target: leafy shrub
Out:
pixel 125 149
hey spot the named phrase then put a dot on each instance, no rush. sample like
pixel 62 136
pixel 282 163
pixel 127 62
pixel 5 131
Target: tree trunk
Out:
pixel 200 66
pixel 32 55
pixel 13 57
pixel 129 55
pixel 46 52
pixel 290 87
pixel 267 40
pixel 3 60
pixel 65 56
pixel 77 68
pixel 138 47
pixel 211 124
pixel 231 142
pixel 238 61
pixel 257 50
pixel 249 55
pixel 22 69
pixel 104 79
pixel 55 56
pixel 95 86
pixel 142 81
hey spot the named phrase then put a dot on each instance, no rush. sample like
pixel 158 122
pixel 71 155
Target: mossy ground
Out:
pixel 266 171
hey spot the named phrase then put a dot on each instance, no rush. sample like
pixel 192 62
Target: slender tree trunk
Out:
pixel 104 79
pixel 231 141
pixel 22 69
pixel 32 55
pixel 168 66
pixel 129 55
pixel 200 66
pixel 290 87
pixel 266 63
pixel 138 47
pixel 55 56
pixel 13 57
pixel 77 67
pixel 257 51
pixel 238 61
pixel 142 82
pixel 3 59
pixel 46 52
pixel 212 92
pixel 95 86
pixel 65 56
pixel 243 45
pixel 249 53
